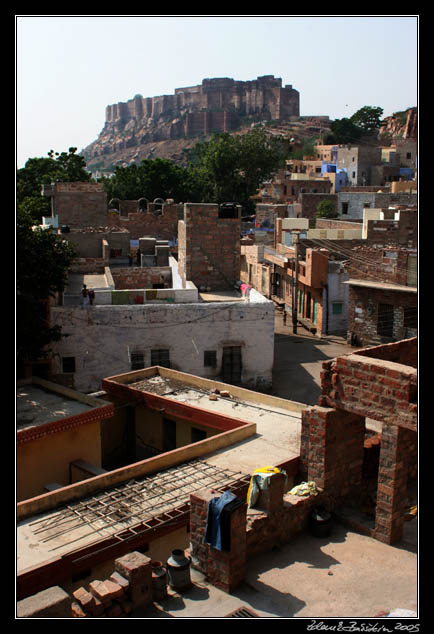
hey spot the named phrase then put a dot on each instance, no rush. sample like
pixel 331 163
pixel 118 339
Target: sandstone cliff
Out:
pixel 401 124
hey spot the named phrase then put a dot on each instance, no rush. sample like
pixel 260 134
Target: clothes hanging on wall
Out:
pixel 218 526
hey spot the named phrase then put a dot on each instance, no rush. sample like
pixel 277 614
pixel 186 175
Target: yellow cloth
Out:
pixel 305 488
pixel 258 481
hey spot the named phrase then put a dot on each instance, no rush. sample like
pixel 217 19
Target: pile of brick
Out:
pixel 127 588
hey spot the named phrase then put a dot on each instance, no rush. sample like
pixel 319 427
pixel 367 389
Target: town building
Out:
pixel 209 438
pixel 188 314
pixel 58 436
pixel 307 272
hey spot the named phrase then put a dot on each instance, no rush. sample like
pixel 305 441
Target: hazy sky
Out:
pixel 69 68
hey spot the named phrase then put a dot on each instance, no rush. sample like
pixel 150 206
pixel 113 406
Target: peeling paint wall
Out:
pixel 105 339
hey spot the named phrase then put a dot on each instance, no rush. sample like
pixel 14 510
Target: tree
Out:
pixel 368 118
pixel 326 209
pixel 152 178
pixel 42 262
pixel 346 131
pixel 231 168
pixel 64 166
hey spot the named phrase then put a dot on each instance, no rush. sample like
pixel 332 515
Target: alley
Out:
pixel 298 361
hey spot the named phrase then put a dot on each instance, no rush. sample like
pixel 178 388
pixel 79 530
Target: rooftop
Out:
pixel 40 403
pixel 157 490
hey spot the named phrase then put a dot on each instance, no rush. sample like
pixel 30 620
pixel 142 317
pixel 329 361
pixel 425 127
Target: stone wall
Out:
pixel 209 247
pixel 78 204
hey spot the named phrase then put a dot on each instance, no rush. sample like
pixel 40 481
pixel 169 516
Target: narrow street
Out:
pixel 298 361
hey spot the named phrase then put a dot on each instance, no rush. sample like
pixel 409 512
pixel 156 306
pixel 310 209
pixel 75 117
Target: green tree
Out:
pixel 346 131
pixel 368 118
pixel 231 168
pixel 42 262
pixel 326 209
pixel 64 166
pixel 152 178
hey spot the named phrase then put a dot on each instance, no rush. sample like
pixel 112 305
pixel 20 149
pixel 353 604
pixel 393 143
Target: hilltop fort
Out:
pixel 215 105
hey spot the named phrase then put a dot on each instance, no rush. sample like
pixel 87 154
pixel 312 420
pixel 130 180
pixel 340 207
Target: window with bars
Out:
pixel 137 360
pixel 210 358
pixel 160 357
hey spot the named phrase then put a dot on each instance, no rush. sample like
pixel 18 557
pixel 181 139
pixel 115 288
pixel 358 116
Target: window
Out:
pixel 160 357
pixel 68 364
pixel 137 360
pixel 344 208
pixel 210 358
pixel 385 320
pixel 337 308
pixel 231 364
pixel 410 317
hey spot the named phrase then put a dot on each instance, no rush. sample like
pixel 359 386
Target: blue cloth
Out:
pixel 213 533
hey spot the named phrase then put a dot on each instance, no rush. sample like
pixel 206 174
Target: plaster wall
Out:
pixel 103 338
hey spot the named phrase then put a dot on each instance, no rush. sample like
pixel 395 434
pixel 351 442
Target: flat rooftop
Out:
pixel 143 492
pixel 39 402
pixel 278 421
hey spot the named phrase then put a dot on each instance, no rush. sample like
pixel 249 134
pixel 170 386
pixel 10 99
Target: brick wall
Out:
pixel 363 315
pixel 209 247
pixel 78 204
pixel 144 277
pixel 162 225
pixel 129 587
pixel 379 389
pixel 309 203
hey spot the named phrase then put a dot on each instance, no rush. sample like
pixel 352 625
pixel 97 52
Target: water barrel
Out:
pixel 159 581
pixel 178 570
pixel 320 522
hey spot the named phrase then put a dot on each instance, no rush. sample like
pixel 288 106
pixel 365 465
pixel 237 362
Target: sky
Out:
pixel 69 68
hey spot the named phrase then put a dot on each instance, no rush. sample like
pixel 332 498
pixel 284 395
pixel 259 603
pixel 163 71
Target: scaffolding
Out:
pixel 161 497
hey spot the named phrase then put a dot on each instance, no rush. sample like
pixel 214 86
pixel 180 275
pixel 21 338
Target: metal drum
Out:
pixel 159 581
pixel 178 569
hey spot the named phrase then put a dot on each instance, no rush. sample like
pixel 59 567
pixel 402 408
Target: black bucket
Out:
pixel 320 522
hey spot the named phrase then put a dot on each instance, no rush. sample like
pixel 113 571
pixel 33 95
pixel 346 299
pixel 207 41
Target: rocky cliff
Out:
pixel 401 124
pixel 146 127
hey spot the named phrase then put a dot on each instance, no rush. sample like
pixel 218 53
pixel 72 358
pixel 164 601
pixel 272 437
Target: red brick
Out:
pixel 84 598
pixel 76 610
pixel 100 591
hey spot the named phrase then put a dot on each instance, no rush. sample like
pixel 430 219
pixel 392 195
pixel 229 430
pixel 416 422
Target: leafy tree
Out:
pixel 64 166
pixel 152 178
pixel 326 209
pixel 368 118
pixel 346 131
pixel 232 167
pixel 42 262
